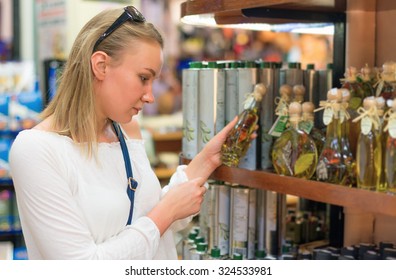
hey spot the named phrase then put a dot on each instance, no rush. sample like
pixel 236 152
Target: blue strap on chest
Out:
pixel 132 183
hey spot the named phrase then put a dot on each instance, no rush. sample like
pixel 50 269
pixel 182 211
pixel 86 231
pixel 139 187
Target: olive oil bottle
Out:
pixel 331 167
pixel 390 155
pixel 294 152
pixel 346 150
pixel 238 140
pixel 369 148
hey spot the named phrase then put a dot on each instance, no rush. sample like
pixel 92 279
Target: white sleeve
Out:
pixel 52 222
pixel 178 177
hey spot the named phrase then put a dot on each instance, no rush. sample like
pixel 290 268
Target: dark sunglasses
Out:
pixel 130 13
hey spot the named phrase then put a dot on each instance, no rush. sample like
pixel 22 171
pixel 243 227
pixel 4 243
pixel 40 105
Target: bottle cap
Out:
pixel 237 256
pixel 259 91
pixel 212 64
pixel 195 64
pixel 310 66
pixel 192 235
pixel 285 91
pixel 295 109
pixel 308 107
pixel 199 239
pixel 350 73
pixel 215 252
pixel 265 64
pixel 334 95
pixel 299 91
pixel 260 254
pixel 202 246
pixel 346 94
pixel 369 102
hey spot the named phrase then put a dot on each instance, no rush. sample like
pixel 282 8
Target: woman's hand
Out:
pixel 179 202
pixel 209 158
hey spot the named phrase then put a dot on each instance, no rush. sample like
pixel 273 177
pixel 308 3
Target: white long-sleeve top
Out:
pixel 75 207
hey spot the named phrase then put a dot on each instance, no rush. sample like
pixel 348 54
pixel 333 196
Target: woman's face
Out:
pixel 128 83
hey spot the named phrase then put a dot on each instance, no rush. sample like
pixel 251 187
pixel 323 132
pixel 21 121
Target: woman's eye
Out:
pixel 143 78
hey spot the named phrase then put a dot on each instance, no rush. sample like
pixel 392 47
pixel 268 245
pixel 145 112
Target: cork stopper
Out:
pixel 299 91
pixel 345 94
pixel 295 109
pixel 366 72
pixel 350 73
pixel 259 91
pixel 369 102
pixel 334 95
pixel 389 71
pixel 285 91
pixel 308 107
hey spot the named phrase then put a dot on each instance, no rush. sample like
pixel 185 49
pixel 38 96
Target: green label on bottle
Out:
pixel 279 126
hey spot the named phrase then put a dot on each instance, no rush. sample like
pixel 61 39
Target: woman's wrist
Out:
pixel 201 166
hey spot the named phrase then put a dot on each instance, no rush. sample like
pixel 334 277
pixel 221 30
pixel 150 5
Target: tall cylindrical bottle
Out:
pixel 267 113
pixel 247 79
pixel 211 109
pixel 190 82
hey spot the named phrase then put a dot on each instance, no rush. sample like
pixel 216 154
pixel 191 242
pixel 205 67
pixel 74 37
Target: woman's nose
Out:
pixel 148 97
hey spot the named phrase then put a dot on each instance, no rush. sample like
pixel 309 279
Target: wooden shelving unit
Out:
pixel 370 201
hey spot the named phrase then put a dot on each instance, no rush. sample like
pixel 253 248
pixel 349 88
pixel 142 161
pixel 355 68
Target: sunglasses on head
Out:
pixel 130 13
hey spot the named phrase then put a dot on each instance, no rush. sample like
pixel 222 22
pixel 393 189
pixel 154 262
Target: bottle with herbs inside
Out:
pixel 307 125
pixel 390 155
pixel 294 153
pixel 331 167
pixel 346 150
pixel 351 83
pixel 386 85
pixel 369 146
pixel 282 110
pixel 238 139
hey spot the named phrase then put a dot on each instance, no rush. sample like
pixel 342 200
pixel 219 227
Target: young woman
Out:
pixel 69 172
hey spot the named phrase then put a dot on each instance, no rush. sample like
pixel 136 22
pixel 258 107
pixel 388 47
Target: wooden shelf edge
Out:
pixel 368 201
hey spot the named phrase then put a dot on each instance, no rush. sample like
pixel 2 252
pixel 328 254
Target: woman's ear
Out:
pixel 98 62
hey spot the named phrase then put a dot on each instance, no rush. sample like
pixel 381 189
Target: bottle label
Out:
pixel 366 125
pixel 321 171
pixel 279 126
pixel 306 126
pixel 328 115
pixel 392 128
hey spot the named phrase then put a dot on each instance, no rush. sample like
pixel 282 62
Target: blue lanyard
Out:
pixel 132 183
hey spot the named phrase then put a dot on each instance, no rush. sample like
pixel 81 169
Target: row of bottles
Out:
pixel 302 150
pixel 215 92
pixel 238 221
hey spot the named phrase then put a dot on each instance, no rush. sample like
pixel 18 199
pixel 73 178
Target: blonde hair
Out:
pixel 73 107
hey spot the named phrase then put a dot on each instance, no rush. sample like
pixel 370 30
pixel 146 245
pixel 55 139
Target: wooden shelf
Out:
pixel 368 201
pixel 236 11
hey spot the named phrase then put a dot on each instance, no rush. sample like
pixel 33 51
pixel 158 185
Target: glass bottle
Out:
pixel 282 110
pixel 346 151
pixel 390 155
pixel 307 124
pixel 331 167
pixel 369 148
pixel 380 104
pixel 366 79
pixel 298 93
pixel 357 93
pixel 238 140
pixel 294 152
pixel 386 85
